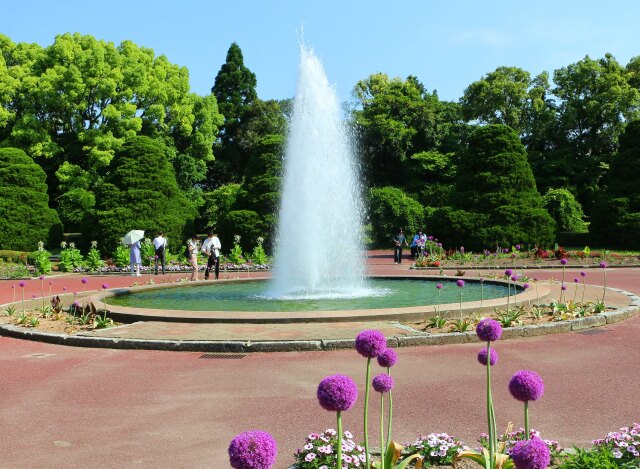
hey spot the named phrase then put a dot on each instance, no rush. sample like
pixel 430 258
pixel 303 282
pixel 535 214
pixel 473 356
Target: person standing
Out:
pixel 134 258
pixel 160 244
pixel 192 249
pixel 398 241
pixel 211 247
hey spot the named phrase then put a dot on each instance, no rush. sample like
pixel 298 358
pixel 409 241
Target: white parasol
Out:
pixel 133 236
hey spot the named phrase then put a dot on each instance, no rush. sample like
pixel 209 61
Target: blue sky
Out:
pixel 447 45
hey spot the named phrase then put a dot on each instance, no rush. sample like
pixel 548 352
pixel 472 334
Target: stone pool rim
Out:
pixel 412 313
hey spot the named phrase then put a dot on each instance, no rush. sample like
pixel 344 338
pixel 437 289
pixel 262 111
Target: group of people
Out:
pixel 210 247
pixel 417 245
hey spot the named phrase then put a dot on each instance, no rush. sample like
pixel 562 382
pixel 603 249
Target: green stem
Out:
pixel 460 304
pixel 481 293
pixel 339 453
pixel 526 419
pixel 438 301
pixel 508 293
pixel 366 414
pixel 562 284
pixel 604 290
pixel 382 447
pixel 23 311
pixel 584 287
pixel 390 411
pixel 490 411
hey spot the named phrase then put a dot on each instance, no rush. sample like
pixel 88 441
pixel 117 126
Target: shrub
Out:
pixel 246 223
pixel 141 193
pixel 75 209
pixel 391 208
pixel 565 210
pixel 25 216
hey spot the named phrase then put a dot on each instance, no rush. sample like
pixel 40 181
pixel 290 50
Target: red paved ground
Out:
pixel 71 407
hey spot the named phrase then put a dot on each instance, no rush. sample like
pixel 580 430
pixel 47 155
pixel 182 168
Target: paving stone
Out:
pixel 589 321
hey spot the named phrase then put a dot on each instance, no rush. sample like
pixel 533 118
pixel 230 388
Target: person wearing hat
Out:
pixel 211 247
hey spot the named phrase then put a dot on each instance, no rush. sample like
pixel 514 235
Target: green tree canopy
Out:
pixel 25 216
pixel 565 210
pixel 141 193
pixel 391 208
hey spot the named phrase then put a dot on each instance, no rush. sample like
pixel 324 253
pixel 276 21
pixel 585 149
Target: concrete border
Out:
pixel 610 317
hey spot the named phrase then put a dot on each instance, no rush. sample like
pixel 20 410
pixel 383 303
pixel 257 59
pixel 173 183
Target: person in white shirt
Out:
pixel 160 245
pixel 211 247
pixel 192 257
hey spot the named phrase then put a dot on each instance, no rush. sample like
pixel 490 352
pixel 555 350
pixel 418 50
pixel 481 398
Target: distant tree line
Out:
pixel 110 138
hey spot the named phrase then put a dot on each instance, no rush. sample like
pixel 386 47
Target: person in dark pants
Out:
pixel 398 241
pixel 211 247
pixel 160 245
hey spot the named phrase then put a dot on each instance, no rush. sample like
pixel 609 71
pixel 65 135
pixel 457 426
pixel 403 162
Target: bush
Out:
pixel 141 193
pixel 25 216
pixel 245 223
pixel 391 208
pixel 75 209
pixel 565 210
pixel 14 256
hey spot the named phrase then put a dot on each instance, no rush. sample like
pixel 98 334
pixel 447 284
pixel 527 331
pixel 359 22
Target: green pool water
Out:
pixel 254 296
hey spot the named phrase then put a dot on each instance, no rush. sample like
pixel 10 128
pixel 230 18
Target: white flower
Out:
pixel 94 244
pixel 260 240
pixel 72 245
pixel 40 246
pixel 236 239
pixel 63 244
pixel 310 457
pixel 308 446
pixel 346 434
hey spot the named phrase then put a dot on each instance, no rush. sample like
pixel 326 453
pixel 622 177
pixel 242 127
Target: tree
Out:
pixel 615 220
pixel 496 201
pixel 235 92
pixel 141 193
pixel 565 210
pixel 25 216
pixel 391 208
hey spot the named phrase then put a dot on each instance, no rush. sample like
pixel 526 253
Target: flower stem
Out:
pixel 562 285
pixel 490 412
pixel 604 289
pixel 584 287
pixel 390 411
pixel 461 304
pixel 508 293
pixel 366 414
pixel 339 450
pixel 526 419
pixel 382 447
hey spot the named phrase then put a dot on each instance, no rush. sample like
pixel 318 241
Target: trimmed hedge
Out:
pixel 25 216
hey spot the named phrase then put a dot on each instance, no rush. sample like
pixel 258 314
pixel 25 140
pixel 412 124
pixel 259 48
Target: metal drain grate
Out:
pixel 223 356
pixel 594 331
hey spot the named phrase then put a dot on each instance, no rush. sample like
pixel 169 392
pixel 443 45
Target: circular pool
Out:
pixel 378 293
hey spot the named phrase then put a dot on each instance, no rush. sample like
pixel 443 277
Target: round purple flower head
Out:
pixel 13 286
pixel 439 286
pixel 105 286
pixel 22 284
pixel 33 295
pixel 563 287
pixel 535 279
pixel 383 383
pixel 460 283
pixel 576 280
pixel 41 277
pixel 253 449
pixel 64 288
pixel 563 261
pixel 531 454
pixel 337 393
pixel 388 358
pixel 603 265
pixel 482 357
pixel 508 272
pixel 517 247
pixel 583 274
pixel 526 286
pixel 514 278
pixel 462 249
pixel 370 343
pixel 489 330
pixel 76 304
pixel 526 386
pixel 505 250
pixel 84 280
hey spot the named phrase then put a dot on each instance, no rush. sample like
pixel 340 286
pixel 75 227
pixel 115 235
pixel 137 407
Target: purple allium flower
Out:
pixel 517 247
pixel 489 330
pixel 22 284
pixel 253 449
pixel 64 288
pixel 563 261
pixel 439 245
pixel 84 280
pixel 50 282
pixel 526 386
pixel 603 265
pixel 526 286
pixel 583 274
pixel 13 286
pixel 439 286
pixel 481 279
pixel 513 256
pixel 508 272
pixel 535 279
pixel 482 357
pixel 33 295
pixel 576 280
pixel 505 250
pixel 337 392
pixel 462 249
pixel 514 278
pixel 388 358
pixel 76 304
pixel 370 343
pixel 460 283
pixel 531 454
pixel 563 287
pixel 41 277
pixel 105 285
pixel 383 383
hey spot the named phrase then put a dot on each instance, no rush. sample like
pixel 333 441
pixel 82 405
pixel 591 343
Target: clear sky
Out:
pixel 446 44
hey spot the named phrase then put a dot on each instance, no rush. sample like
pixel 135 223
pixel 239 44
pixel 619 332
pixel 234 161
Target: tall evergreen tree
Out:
pixel 235 90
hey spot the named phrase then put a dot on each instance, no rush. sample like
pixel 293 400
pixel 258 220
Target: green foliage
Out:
pixel 147 252
pixel 391 208
pixel 75 209
pixel 13 256
pixel 94 260
pixel 246 223
pixel 41 261
pixel 597 457
pixel 217 203
pixel 25 216
pixel 121 256
pixel 258 256
pixel 235 255
pixel 496 201
pixel 70 258
pixel 565 210
pixel 141 193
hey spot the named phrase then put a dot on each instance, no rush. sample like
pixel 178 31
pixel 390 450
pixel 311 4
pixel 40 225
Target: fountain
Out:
pixel 319 248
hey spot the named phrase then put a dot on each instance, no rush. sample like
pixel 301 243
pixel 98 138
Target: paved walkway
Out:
pixel 74 407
